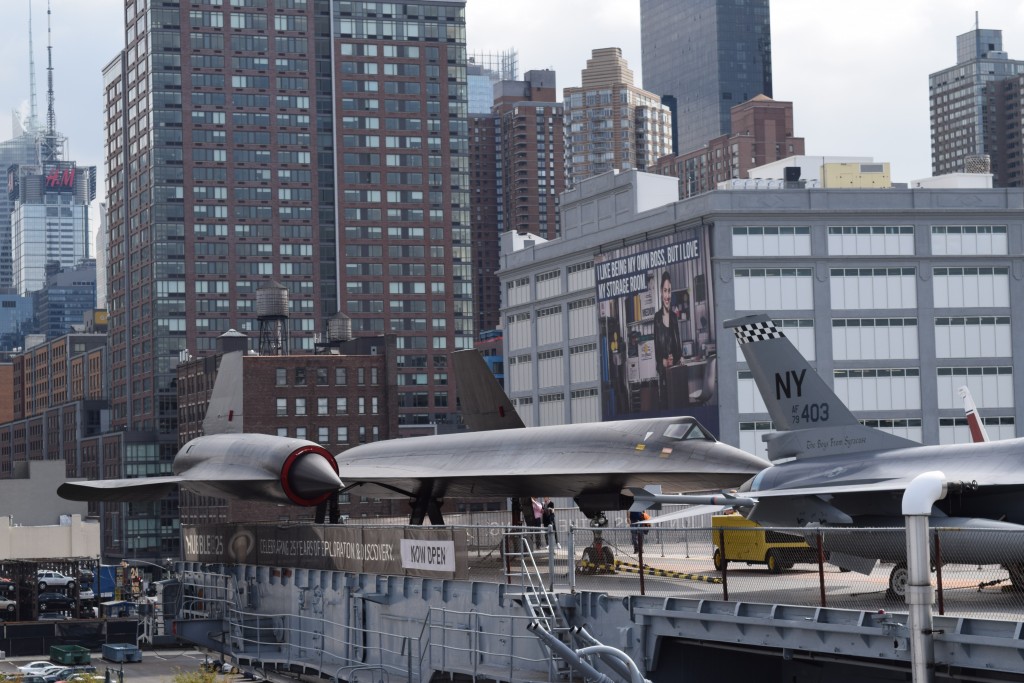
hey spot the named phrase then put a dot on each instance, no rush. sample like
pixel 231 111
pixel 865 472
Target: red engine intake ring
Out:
pixel 286 471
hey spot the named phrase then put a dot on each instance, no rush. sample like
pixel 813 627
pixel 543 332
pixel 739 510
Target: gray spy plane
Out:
pixel 831 472
pixel 227 462
pixel 591 463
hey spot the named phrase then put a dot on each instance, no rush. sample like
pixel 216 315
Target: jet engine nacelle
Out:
pixel 261 466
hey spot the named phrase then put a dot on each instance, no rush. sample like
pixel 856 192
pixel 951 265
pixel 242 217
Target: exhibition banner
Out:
pixel 403 551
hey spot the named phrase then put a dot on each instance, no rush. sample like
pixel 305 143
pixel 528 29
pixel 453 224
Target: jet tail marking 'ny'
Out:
pixel 809 418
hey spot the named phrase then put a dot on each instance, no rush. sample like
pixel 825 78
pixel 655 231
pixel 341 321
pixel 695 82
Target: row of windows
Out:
pixel 298 406
pixel 867 240
pixel 302 376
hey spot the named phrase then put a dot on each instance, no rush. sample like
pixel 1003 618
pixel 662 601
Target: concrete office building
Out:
pixel 897 296
pixel 318 144
pixel 966 121
pixel 21 150
pixel 49 219
pixel 704 57
pixel 610 123
pixel 66 300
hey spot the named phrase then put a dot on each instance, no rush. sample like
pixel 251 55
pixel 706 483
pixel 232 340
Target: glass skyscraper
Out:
pixel 705 57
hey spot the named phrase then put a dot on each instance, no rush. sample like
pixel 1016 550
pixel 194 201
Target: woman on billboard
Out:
pixel 667 347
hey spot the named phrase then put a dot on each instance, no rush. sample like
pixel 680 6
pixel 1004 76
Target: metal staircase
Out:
pixel 570 647
pixel 525 583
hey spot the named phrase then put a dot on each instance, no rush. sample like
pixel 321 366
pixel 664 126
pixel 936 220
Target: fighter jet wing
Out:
pixel 119 490
pixel 485 406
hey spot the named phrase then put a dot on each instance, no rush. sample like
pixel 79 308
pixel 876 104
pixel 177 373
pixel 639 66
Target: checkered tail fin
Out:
pixel 796 396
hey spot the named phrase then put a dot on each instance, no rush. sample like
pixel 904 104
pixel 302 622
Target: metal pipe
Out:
pixel 918 499
pixel 619 667
pixel 634 671
pixel 569 655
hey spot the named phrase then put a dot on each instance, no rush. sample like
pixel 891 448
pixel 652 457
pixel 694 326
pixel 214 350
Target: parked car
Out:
pixel 7 607
pixel 68 672
pixel 55 601
pixel 86 594
pixel 38 667
pixel 48 578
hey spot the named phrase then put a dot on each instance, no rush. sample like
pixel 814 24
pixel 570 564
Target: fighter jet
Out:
pixel 228 463
pixel 592 463
pixel 832 472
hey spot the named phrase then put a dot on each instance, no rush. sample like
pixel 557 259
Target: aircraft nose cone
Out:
pixel 312 475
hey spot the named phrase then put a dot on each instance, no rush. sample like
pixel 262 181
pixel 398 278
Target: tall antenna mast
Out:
pixel 53 143
pixel 33 121
pixel 51 117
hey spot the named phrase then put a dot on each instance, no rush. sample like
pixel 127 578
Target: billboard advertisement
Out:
pixel 658 335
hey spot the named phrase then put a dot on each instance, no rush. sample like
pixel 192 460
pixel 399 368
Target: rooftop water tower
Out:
pixel 272 314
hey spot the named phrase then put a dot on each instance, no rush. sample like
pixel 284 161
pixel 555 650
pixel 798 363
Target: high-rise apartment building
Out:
pixel 611 124
pixel 320 144
pixel 704 57
pixel 517 163
pixel 532 153
pixel 966 117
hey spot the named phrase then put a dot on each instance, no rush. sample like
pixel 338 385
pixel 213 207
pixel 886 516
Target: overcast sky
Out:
pixel 857 72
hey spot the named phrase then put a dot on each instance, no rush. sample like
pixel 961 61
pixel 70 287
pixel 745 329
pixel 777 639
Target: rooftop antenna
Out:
pixel 52 142
pixel 33 121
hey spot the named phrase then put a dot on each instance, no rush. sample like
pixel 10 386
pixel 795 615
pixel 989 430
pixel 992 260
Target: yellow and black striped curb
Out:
pixel 635 569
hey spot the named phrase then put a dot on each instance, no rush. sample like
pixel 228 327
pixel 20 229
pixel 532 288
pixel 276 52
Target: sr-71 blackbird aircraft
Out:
pixel 591 463
pixel 832 472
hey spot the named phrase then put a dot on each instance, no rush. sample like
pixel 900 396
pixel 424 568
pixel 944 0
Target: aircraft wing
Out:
pixel 153 488
pixel 485 406
pixel 119 490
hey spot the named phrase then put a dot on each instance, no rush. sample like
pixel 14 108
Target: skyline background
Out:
pixel 856 73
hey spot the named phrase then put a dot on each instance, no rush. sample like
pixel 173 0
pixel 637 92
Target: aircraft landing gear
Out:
pixel 597 557
pixel 898 578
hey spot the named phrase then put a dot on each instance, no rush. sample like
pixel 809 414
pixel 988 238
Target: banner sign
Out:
pixel 404 551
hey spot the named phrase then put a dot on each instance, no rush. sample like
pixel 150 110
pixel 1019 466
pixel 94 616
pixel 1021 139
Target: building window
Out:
pixel 758 289
pixel 282 407
pixel 362 405
pixel 341 405
pixel 374 380
pixel 300 406
pixel 282 431
pixel 323 434
pixel 342 436
pixel 300 377
pixel 361 376
pixel 282 377
pixel 321 377
pixel 321 406
pixel 300 432
pixel 362 435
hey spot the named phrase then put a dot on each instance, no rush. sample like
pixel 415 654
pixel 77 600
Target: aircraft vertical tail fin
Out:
pixel 798 399
pixel 796 396
pixel 224 412
pixel 485 406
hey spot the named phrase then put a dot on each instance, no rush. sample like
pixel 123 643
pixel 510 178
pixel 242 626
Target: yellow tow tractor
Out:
pixel 749 542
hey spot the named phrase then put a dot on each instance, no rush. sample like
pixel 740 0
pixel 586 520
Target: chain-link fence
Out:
pixel 975 572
